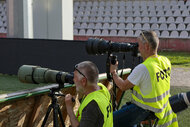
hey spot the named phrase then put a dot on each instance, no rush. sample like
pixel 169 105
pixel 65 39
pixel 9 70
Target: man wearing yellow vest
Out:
pixel 95 106
pixel 150 82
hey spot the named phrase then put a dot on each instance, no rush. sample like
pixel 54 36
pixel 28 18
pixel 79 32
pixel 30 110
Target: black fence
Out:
pixel 55 54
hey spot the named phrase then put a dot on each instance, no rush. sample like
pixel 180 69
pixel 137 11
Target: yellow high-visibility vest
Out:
pixel 157 100
pixel 103 99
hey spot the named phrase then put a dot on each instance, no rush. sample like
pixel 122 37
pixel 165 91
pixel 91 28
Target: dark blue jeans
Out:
pixel 129 116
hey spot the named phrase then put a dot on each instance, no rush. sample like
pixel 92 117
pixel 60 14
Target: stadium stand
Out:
pixel 119 18
pixel 125 17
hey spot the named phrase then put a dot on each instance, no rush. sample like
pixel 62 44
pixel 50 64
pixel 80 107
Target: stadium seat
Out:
pixel 1 23
pixel 165 3
pixel 160 13
pixel 159 7
pixel 164 34
pixel 137 19
pixel 179 20
pixel 121 13
pixel 162 20
pixel 157 32
pixel 91 25
pixel 105 33
pixel 137 26
pixel 102 3
pixel 129 3
pixel 97 33
pixel 170 19
pixel 146 26
pixel 121 19
pixel 153 20
pixel 174 34
pixel 130 33
pixel 84 25
pixel 184 34
pixel 145 20
pixel 173 2
pixel 177 13
pixel 152 13
pixel 106 26
pixel 137 33
pixel 154 26
pixel 121 33
pixel 121 26
pixel 129 26
pixel 82 4
pixel 98 26
pixel 113 26
pixel 174 7
pixel 99 19
pixel 187 20
pixel 166 6
pixel 169 13
pixel 129 13
pixel 129 20
pixel 92 19
pixel 89 4
pixel 113 33
pixel 151 8
pixel 114 13
pixel 163 26
pixel 107 13
pixel 183 7
pixel 106 19
pixel 181 27
pixel 185 13
pixel 75 31
pixel 180 3
pixel 144 13
pixel 85 19
pixel 129 8
pixel 82 32
pixel 114 19
pixel 76 25
pixel 172 26
pixel 137 13
pixel 95 4
pixel 150 4
pixel 78 19
pixel 188 3
pixel 89 32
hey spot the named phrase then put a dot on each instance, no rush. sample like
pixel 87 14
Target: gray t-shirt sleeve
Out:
pixel 92 116
pixel 140 77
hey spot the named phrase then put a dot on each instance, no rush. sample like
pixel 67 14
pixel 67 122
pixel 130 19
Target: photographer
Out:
pixel 95 109
pixel 150 82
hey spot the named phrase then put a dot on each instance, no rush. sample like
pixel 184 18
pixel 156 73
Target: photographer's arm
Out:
pixel 122 84
pixel 69 106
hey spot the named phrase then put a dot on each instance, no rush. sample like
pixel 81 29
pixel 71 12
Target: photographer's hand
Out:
pixel 69 106
pixel 113 68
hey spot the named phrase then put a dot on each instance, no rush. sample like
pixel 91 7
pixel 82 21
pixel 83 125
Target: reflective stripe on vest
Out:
pixel 103 99
pixel 157 100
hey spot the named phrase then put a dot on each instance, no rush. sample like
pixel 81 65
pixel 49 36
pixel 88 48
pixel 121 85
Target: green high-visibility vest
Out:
pixel 103 99
pixel 157 100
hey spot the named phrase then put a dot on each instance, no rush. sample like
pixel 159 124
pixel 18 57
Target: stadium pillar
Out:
pixel 44 19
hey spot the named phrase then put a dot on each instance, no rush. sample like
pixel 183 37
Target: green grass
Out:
pixel 178 59
pixel 9 84
pixel 183 116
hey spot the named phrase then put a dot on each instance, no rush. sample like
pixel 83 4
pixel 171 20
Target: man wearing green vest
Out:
pixel 95 106
pixel 150 84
